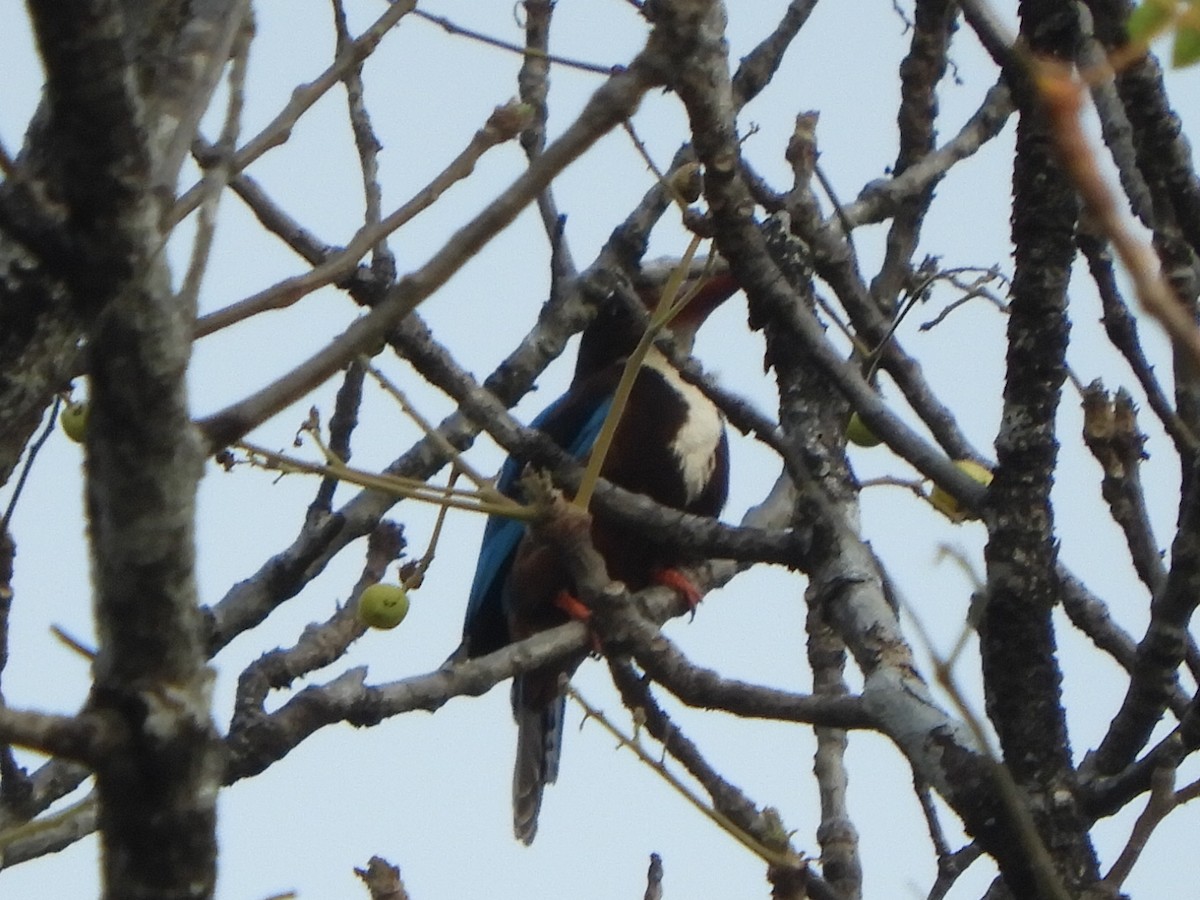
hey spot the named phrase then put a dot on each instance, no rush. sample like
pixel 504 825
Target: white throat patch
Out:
pixel 695 446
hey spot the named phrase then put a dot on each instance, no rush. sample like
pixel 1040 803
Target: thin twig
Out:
pixel 504 123
pixel 216 176
pixel 1011 797
pixel 771 856
pixel 1162 801
pixel 341 427
pixel 533 84
pixel 480 481
pixel 488 501
pixel 452 28
pixel 28 467
pixel 611 104
pixel 367 144
pixel 414 574
pixel 303 98
pixel 1062 95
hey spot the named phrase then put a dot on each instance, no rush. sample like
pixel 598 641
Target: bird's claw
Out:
pixel 682 585
pixel 573 607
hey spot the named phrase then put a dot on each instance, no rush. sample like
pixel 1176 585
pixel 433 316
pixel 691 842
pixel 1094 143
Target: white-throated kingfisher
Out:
pixel 670 445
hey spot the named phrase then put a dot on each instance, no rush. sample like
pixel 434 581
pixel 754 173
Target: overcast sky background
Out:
pixel 431 793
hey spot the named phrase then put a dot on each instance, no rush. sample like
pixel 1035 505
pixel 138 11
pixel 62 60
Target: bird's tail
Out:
pixel 539 743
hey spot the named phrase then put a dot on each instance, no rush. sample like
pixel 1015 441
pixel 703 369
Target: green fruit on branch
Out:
pixel 946 504
pixel 859 434
pixel 382 605
pixel 74 419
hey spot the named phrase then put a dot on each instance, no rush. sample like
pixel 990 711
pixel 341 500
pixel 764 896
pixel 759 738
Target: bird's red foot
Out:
pixel 573 607
pixel 681 584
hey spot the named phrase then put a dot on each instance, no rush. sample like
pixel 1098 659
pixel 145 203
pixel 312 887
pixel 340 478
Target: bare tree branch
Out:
pixel 608 106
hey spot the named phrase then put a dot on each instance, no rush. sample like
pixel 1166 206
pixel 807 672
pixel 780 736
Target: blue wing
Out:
pixel 574 423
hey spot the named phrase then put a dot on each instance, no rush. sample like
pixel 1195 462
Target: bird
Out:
pixel 669 445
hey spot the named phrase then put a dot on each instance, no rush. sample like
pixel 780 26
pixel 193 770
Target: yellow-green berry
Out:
pixel 74 419
pixel 859 434
pixel 382 605
pixel 946 504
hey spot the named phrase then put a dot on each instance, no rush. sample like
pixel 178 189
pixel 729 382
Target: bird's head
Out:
pixel 615 331
pixel 707 293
